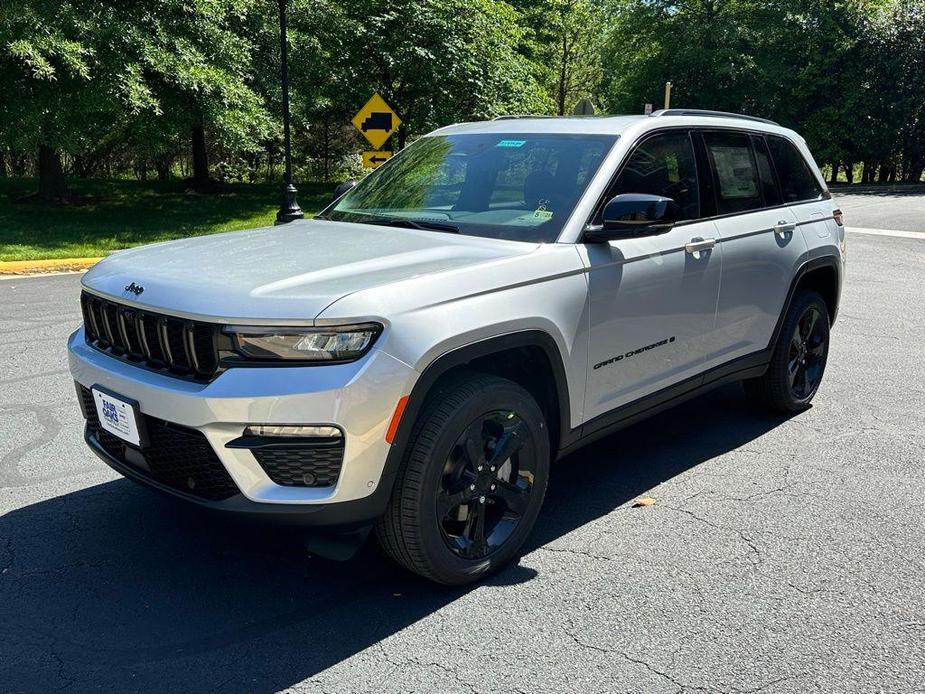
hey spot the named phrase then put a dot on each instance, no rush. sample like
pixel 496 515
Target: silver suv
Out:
pixel 496 296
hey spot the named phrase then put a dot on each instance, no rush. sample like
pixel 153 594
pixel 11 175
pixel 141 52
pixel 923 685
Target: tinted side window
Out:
pixel 735 172
pixel 796 180
pixel 663 165
pixel 766 176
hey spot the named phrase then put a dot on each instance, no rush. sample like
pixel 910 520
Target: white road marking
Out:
pixel 888 232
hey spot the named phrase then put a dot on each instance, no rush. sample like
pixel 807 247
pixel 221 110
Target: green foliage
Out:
pixel 434 61
pixel 848 74
pixel 113 215
pixel 565 44
pixel 87 70
pixel 119 86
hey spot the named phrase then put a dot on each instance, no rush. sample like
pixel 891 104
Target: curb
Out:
pixel 867 188
pixel 28 267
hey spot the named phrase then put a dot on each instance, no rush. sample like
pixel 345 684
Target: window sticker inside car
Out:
pixel 735 172
pixel 511 143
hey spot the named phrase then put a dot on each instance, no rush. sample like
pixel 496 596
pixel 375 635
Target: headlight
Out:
pixel 338 343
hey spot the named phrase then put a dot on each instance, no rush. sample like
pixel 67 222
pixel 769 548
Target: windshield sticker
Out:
pixel 541 212
pixel 511 143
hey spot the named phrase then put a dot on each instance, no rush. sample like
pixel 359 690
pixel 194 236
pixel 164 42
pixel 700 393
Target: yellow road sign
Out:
pixel 376 121
pixel 374 159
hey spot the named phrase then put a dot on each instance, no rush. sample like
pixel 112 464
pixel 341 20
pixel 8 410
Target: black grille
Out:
pixel 188 349
pixel 303 466
pixel 177 457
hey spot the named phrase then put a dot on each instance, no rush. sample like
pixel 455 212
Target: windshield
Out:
pixel 507 186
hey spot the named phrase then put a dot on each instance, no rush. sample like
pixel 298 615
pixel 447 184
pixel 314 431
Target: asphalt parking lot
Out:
pixel 781 555
pixel 899 210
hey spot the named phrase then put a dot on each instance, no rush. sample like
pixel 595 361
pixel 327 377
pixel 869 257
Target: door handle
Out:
pixel 698 244
pixel 784 227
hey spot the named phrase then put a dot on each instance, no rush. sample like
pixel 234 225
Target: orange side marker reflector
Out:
pixel 396 419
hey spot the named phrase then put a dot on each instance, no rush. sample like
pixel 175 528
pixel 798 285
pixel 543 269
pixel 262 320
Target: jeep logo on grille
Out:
pixel 135 289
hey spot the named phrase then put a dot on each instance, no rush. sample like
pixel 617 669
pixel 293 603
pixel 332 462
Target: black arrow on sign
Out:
pixel 377 159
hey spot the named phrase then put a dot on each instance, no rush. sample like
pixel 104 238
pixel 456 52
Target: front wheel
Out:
pixel 472 483
pixel 799 358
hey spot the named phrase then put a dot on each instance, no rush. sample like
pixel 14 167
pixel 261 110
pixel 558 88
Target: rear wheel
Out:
pixel 799 358
pixel 472 482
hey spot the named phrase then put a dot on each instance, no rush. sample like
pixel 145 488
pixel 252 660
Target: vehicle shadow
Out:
pixel 119 589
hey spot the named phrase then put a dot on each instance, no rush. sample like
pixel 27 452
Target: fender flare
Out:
pixel 458 357
pixel 826 261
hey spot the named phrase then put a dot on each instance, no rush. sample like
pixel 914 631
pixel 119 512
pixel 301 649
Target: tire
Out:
pixel 461 428
pixel 800 353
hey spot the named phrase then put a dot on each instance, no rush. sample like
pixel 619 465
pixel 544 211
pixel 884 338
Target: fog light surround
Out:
pixel 293 431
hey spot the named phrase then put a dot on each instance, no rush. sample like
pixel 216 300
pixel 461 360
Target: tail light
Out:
pixel 837 214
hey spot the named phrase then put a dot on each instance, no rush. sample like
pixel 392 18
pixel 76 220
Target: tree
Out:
pixel 845 73
pixel 434 61
pixel 88 71
pixel 46 65
pixel 565 43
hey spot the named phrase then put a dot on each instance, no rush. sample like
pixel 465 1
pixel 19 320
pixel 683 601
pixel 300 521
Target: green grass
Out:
pixel 109 215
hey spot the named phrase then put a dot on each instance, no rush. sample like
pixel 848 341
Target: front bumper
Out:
pixel 358 397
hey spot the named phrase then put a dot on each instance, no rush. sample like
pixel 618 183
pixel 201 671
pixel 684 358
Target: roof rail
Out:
pixel 512 116
pixel 712 114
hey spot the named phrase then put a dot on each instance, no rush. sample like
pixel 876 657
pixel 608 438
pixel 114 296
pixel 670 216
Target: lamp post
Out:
pixel 289 209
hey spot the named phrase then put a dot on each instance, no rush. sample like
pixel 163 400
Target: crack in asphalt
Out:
pixel 752 545
pixel 11 556
pixel 61 669
pixel 681 686
pixel 29 377
pixel 49 427
pixel 411 660
pixel 667 676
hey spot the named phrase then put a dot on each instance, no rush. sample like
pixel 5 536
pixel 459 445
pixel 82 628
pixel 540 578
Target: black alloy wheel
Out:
pixel 806 358
pixel 798 360
pixel 472 482
pixel 486 485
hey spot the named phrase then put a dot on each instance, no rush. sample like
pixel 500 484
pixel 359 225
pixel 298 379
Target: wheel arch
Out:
pixel 822 275
pixel 530 358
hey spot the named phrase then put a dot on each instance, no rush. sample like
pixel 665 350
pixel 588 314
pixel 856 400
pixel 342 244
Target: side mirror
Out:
pixel 343 188
pixel 634 214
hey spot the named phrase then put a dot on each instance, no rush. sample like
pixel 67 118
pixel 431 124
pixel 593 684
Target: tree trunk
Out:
pixel 52 185
pixel 833 178
pixel 402 136
pixel 162 166
pixel 849 172
pixel 917 171
pixel 200 158
pixel 2 163
pixel 563 77
pixel 884 172
pixel 327 151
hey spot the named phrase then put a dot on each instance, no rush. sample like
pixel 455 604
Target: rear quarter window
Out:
pixel 797 182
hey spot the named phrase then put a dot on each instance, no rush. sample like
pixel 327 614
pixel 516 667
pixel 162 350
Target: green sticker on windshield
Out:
pixel 511 143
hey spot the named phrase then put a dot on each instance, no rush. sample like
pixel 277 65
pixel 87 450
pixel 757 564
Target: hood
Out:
pixel 290 272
